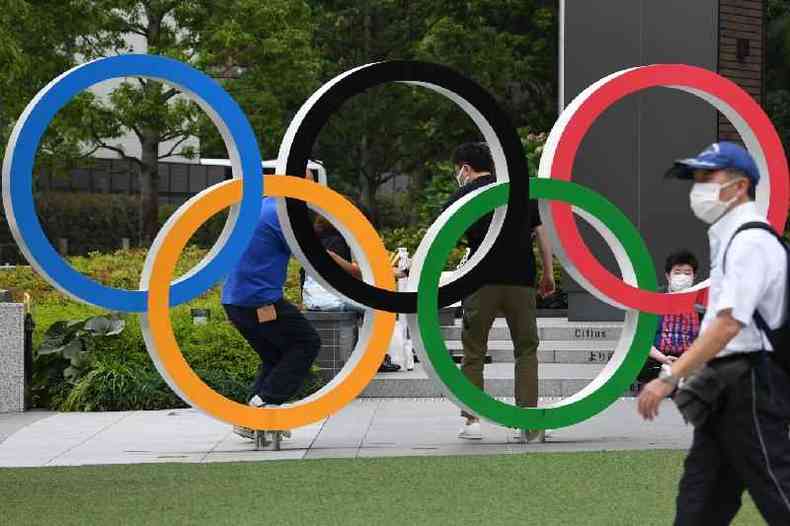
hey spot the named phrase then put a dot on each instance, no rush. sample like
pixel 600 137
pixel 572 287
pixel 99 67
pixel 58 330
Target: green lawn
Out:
pixel 622 488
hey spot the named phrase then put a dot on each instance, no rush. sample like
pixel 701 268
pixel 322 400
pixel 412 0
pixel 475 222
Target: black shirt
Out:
pixel 331 240
pixel 512 265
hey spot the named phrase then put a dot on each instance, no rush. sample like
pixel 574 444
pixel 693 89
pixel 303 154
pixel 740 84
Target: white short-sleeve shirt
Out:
pixel 755 278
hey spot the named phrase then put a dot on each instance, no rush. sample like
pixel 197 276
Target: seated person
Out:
pixel 314 296
pixel 317 298
pixel 676 332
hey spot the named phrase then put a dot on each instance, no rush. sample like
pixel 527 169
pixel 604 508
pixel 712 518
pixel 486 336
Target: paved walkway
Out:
pixel 365 428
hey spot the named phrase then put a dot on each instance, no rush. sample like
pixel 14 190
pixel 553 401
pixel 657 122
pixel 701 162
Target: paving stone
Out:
pixel 392 427
pixel 554 380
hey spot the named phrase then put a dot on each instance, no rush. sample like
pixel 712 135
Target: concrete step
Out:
pixel 555 380
pixel 549 329
pixel 570 352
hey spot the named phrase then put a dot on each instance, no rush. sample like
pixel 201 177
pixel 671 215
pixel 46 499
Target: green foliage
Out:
pixel 120 376
pixel 264 53
pixel 778 67
pixel 508 47
pixel 75 341
pixel 434 196
pixel 120 269
pixel 246 46
pixel 118 386
pixel 533 148
pixel 37 43
pixel 114 372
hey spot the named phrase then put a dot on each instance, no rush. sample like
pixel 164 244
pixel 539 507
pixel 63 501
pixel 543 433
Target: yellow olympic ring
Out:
pixel 166 353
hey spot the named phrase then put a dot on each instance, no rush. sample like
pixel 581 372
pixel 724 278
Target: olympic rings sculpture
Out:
pixel 509 199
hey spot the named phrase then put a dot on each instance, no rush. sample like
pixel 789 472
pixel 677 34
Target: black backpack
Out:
pixel 779 337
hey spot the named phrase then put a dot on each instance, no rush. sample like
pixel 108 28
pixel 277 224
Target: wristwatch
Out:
pixel 667 377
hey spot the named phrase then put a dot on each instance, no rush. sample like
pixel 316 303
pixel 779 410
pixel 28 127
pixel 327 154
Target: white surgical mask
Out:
pixel 705 201
pixel 460 178
pixel 680 282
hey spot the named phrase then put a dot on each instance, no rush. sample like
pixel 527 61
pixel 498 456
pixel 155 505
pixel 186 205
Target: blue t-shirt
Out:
pixel 259 276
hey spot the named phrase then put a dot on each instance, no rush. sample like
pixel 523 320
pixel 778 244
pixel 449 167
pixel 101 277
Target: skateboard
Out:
pixel 269 440
pixel 523 439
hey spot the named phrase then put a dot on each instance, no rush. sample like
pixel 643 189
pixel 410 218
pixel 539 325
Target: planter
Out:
pixel 338 332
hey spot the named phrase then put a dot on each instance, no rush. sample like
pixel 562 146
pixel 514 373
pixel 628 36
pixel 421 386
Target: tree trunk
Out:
pixel 149 141
pixel 149 186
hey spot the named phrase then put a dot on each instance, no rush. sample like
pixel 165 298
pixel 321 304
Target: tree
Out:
pixel 37 43
pixel 252 46
pixel 778 67
pixel 508 47
pixel 148 109
pixel 263 53
pixel 365 144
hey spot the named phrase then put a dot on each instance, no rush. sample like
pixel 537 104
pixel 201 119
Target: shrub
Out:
pixel 117 373
pixel 97 223
pixel 75 341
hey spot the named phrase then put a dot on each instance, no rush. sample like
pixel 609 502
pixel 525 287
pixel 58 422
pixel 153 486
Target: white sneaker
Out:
pixel 471 431
pixel 249 433
pixel 256 401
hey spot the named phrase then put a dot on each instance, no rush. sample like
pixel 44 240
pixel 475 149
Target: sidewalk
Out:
pixel 365 428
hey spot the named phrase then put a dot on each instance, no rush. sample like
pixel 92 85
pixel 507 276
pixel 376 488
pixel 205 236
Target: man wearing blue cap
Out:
pixel 733 391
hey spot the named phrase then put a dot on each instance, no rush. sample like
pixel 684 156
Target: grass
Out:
pixel 613 488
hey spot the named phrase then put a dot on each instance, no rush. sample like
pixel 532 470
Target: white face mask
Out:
pixel 680 282
pixel 460 178
pixel 705 201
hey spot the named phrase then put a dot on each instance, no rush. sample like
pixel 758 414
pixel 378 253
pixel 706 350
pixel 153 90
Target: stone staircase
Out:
pixel 571 354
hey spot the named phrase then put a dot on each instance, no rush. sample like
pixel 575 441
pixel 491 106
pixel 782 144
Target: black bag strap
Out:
pixel 752 225
pixel 758 318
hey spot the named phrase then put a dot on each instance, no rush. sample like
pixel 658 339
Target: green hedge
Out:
pixel 78 217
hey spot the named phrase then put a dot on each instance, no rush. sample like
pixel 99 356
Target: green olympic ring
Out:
pixel 425 324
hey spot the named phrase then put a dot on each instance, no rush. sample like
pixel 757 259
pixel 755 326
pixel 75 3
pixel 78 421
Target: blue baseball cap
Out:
pixel 718 156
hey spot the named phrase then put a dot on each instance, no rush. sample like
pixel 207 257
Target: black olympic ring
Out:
pixel 506 148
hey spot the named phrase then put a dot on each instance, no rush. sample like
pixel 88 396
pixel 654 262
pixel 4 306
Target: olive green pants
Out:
pixel 518 306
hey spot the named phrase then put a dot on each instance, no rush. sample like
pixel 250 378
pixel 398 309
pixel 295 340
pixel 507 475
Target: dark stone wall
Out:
pixel 630 147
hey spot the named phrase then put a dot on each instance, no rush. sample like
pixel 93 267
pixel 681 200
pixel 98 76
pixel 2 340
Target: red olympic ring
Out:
pixel 749 118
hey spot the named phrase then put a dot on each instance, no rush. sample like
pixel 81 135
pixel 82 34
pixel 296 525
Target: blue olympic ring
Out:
pixel 21 153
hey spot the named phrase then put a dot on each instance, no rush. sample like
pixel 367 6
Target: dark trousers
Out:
pixel 744 445
pixel 287 347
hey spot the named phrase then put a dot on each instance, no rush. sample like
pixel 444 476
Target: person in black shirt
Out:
pixel 316 298
pixel 510 290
